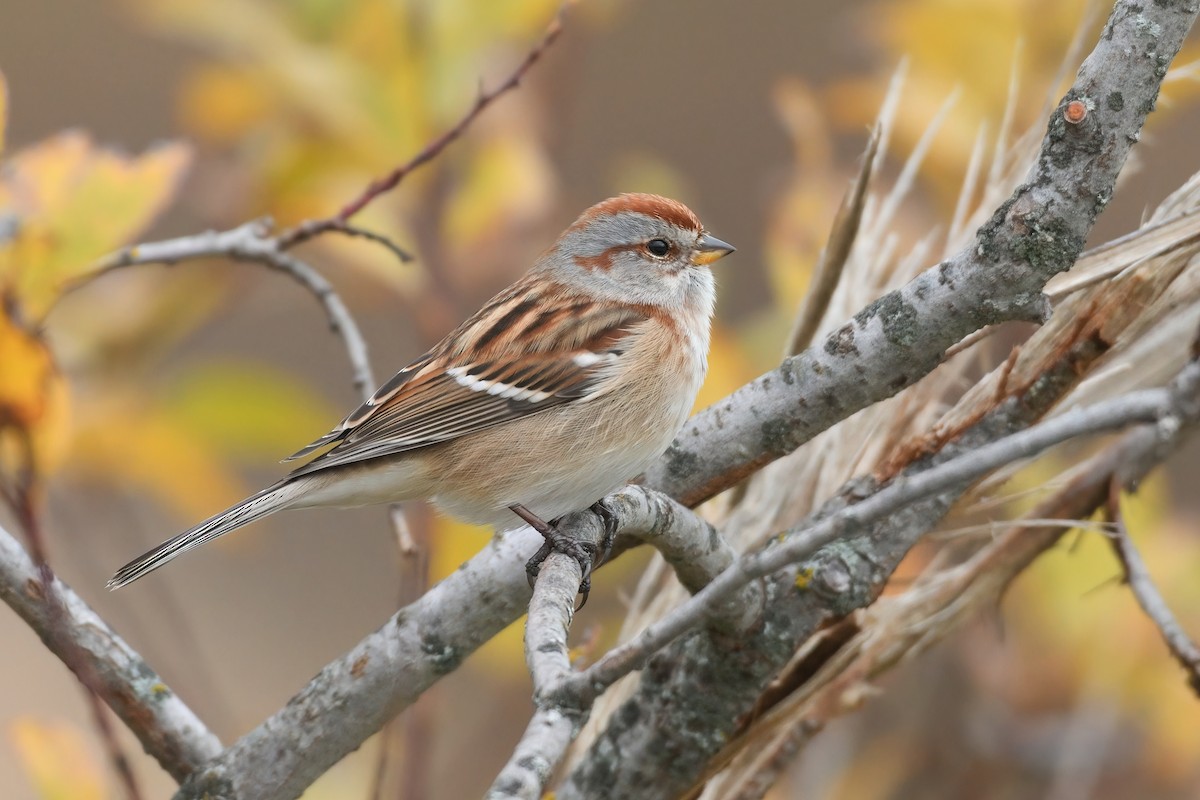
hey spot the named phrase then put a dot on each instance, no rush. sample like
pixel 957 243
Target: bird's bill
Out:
pixel 709 248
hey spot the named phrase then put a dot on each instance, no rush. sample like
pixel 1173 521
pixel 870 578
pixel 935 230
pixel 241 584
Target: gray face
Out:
pixel 630 257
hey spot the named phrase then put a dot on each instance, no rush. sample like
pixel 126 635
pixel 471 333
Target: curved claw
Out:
pixel 609 519
pixel 556 542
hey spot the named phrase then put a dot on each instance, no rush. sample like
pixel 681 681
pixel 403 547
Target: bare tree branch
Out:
pixel 253 242
pixel 553 726
pixel 1149 597
pixel 1034 235
pixel 355 695
pixel 898 628
pixel 1147 406
pixel 696 551
pixel 167 728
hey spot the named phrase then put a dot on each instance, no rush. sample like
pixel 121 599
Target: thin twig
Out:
pixel 306 230
pixel 940 602
pixel 251 241
pixel 347 229
pixel 1144 406
pixel 1148 596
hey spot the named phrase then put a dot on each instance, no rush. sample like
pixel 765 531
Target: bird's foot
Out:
pixel 556 541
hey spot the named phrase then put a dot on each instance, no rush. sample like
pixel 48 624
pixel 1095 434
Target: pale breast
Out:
pixel 566 458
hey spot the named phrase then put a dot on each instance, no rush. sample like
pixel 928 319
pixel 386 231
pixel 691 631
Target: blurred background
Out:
pixel 172 392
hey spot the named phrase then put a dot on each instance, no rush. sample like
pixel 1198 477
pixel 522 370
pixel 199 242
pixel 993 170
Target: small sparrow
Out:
pixel 556 393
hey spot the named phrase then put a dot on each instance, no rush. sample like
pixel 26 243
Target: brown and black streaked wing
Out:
pixel 435 402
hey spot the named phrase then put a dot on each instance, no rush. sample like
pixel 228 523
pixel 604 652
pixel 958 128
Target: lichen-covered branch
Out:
pixel 553 726
pixel 852 520
pixel 696 551
pixel 168 730
pixel 669 741
pixel 1036 234
pixel 936 605
pixel 352 698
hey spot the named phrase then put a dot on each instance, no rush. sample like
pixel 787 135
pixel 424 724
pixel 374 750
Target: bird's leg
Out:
pixel 556 542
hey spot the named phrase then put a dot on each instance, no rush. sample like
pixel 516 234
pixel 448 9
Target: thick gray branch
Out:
pixel 899 338
pixel 693 693
pixel 352 698
pixel 166 727
pixel 552 727
pixel 698 554
pixel 890 345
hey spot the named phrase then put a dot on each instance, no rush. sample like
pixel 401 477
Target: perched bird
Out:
pixel 557 392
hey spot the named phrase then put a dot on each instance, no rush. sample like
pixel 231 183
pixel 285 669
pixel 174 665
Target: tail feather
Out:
pixel 268 501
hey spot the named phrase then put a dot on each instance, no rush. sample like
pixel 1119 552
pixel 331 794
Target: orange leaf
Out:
pixel 33 397
pixel 75 202
pixel 57 759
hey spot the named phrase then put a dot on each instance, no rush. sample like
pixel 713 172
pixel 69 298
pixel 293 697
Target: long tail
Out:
pixel 268 501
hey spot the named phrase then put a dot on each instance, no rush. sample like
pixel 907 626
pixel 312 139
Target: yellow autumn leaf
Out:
pixel 33 398
pixel 74 203
pixel 127 440
pixel 57 759
pixel 505 179
pixel 221 103
pixel 135 311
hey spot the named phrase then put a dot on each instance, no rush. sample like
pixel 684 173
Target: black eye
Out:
pixel 658 247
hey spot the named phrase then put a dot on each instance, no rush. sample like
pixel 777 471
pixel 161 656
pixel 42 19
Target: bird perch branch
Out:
pixel 167 728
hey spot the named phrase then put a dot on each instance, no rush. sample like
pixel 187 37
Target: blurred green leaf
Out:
pixel 248 410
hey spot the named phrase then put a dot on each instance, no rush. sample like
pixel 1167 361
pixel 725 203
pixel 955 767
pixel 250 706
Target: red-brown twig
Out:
pixel 1148 597
pixel 362 233
pixel 310 228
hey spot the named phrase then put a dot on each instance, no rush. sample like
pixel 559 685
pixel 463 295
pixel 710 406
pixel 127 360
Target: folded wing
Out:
pixel 454 391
